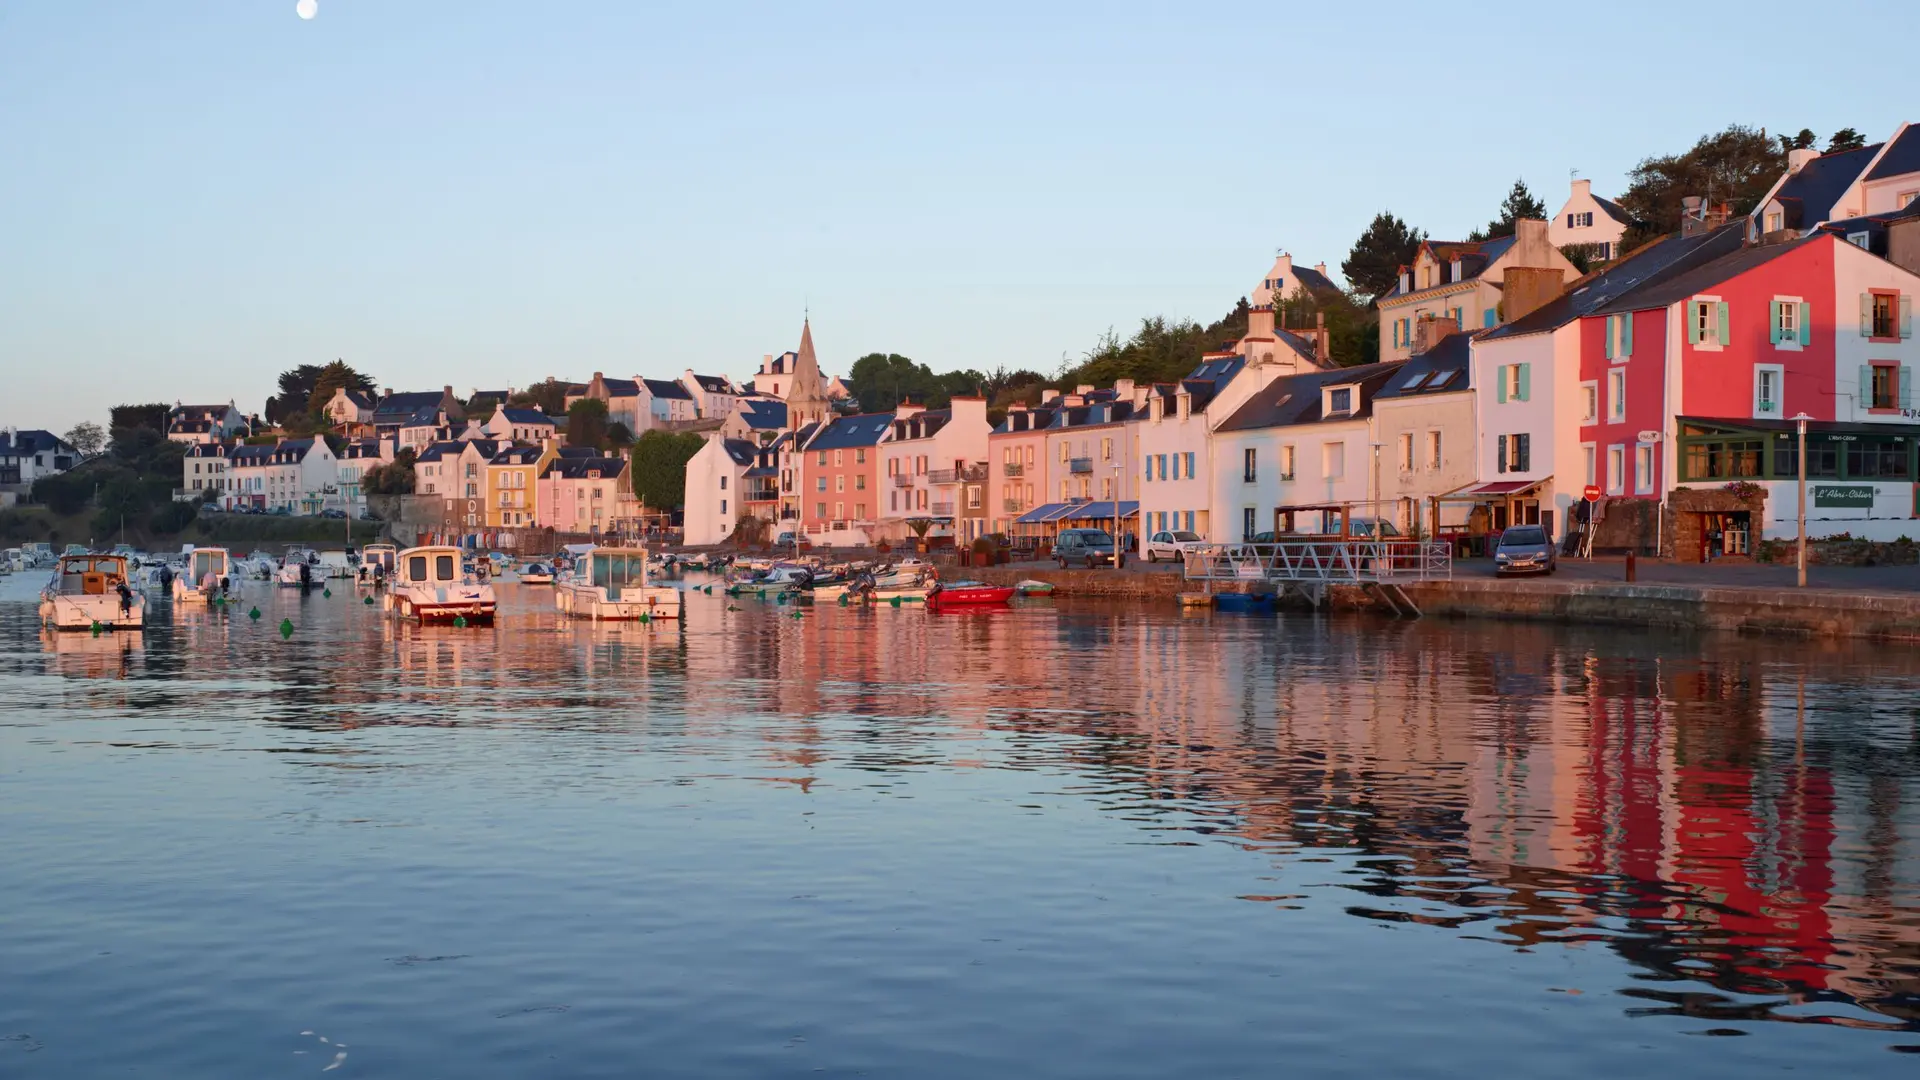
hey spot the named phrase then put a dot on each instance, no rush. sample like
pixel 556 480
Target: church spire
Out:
pixel 806 390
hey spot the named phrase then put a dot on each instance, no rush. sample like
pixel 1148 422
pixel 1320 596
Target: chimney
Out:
pixel 1320 268
pixel 1049 396
pixel 1527 289
pixel 1582 187
pixel 1072 400
pixel 1322 341
pixel 1123 389
pixel 1797 159
pixel 1260 322
pixel 1430 329
pixel 1530 234
pixel 1406 280
pixel 1083 389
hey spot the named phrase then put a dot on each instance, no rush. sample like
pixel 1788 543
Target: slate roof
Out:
pixel 250 456
pixel 490 397
pixel 1295 399
pixel 621 387
pixel 360 398
pixel 1036 419
pixel 516 455
pixel 1474 258
pixel 576 468
pixel 922 425
pixel 1808 195
pixel 714 384
pixel 667 388
pixel 1301 346
pixel 742 451
pixel 1313 280
pixel 189 427
pixel 360 450
pixel 1874 225
pixel 32 441
pixel 199 450
pixel 1099 412
pixel 1614 210
pixel 524 416
pixel 423 418
pixel 1445 368
pixel 395 408
pixel 1902 157
pixel 1672 288
pixel 441 451
pixel 860 429
pixel 1666 258
pixel 763 415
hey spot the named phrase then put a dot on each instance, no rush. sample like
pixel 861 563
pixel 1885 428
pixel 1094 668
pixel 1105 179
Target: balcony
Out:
pixel 971 474
pixel 1012 468
pixel 943 509
pixel 1080 465
pixel 1013 506
pixel 764 493
pixel 943 476
pixel 903 480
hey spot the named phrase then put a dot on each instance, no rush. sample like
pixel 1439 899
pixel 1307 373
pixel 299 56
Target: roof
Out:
pixel 621 387
pixel 1301 346
pixel 1676 287
pixel 423 418
pixel 1444 368
pixel 360 398
pixel 1474 258
pixel 1614 210
pixel 1902 157
pixel 524 416
pixel 714 384
pixel 1874 226
pixel 1313 280
pixel 397 407
pixel 861 429
pixel 1098 412
pixel 244 455
pixel 1809 194
pixel 196 450
pixel 742 451
pixel 577 452
pixel 441 450
pixel 517 455
pixel 483 396
pixel 360 449
pixel 1657 262
pixel 577 468
pixel 190 426
pixel 667 388
pixel 1295 399
pixel 763 415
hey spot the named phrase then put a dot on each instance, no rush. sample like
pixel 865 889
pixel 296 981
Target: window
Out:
pixel 822 461
pixel 839 457
pixel 1066 453
pixel 1617 396
pixel 1875 458
pixel 1580 221
pixel 1189 463
pixel 1249 473
pixel 1246 523
pixel 1286 463
pixel 1790 324
pixel 1643 468
pixel 723 508
pixel 1065 487
pixel 1619 340
pixel 1406 451
pixel 1860 240
pixel 860 482
pixel 1513 382
pixel 1333 460
pixel 1707 323
pixel 1775 221
pixel 1766 390
pixel 1106 487
pixel 1490 317
pixel 1340 400
pixel 1513 453
pixel 860 456
pixel 1905 199
pixel 1589 402
pixel 1433 449
pixel 723 481
pixel 820 483
pixel 1589 464
pixel 1723 459
pixel 893 500
pixel 840 482
pixel 1880 386
pixel 1885 316
pixel 1616 469
pixel 1106 449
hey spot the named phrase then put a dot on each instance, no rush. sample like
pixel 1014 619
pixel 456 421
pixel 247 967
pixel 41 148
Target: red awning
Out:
pixel 1504 487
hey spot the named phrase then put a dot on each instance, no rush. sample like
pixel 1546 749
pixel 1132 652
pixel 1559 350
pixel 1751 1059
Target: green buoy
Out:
pixel 894 601
pixel 286 628
pixel 797 615
pixel 783 598
pixel 368 600
pixel 327 593
pixel 460 621
pixel 730 607
pixel 96 628
pixel 254 614
pixel 644 617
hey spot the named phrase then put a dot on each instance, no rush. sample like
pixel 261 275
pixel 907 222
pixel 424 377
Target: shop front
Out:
pixel 1860 482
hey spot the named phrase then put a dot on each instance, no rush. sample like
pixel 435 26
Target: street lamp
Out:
pixel 1119 476
pixel 1800 421
pixel 1373 482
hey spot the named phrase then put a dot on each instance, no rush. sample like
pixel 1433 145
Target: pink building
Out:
pixel 840 493
pixel 587 495
pixel 1017 464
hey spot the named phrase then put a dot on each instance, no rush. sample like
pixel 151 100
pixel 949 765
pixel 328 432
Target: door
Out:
pixel 1246 524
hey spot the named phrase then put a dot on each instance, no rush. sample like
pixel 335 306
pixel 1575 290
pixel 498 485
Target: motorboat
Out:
pixel 335 563
pixel 907 582
pixel 428 584
pixel 781 578
pixel 958 594
pixel 259 566
pixel 299 569
pixel 89 591
pixel 156 578
pixel 536 574
pixel 612 583
pixel 1031 587
pixel 376 564
pixel 208 574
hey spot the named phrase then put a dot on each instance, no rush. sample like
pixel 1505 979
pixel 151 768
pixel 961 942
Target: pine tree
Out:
pixel 1373 266
pixel 1519 204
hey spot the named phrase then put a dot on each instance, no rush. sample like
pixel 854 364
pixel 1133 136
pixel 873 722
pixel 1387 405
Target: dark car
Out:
pixel 333 513
pixel 1086 547
pixel 1524 549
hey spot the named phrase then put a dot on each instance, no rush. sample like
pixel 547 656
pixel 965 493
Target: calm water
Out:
pixel 1065 840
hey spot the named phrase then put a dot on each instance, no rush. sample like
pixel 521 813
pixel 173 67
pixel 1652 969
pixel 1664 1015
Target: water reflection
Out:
pixel 1728 818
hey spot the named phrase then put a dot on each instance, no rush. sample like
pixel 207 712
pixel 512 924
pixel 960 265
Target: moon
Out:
pixel 306 9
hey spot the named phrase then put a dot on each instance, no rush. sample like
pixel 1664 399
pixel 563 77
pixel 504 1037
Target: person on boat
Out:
pixel 126 597
pixel 306 574
pixel 166 576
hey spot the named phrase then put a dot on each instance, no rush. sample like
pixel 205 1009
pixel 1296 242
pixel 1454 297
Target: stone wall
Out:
pixel 1627 525
pixel 1807 612
pixel 1681 532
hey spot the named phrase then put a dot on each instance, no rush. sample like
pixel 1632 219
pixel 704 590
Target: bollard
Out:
pixel 1630 566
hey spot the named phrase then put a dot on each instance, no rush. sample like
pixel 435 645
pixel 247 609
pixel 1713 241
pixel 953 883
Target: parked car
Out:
pixel 333 513
pixel 1372 527
pixel 785 539
pixel 1524 549
pixel 1264 538
pixel 1087 547
pixel 1171 545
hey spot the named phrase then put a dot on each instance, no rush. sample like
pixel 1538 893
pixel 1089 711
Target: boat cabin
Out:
pixel 429 566
pixel 380 555
pixel 614 569
pixel 207 564
pixel 91 575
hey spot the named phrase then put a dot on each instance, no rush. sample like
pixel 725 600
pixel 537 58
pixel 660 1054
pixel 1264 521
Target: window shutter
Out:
pixel 1525 371
pixel 1501 454
pixel 1906 317
pixel 1488 317
pixel 1693 322
pixel 1866 386
pixel 1805 324
pixel 1610 331
pixel 1773 322
pixel 1906 388
pixel 1523 452
pixel 1500 386
pixel 1626 334
pixel 1866 314
pixel 1722 337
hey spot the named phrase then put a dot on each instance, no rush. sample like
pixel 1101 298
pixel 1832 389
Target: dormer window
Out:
pixel 1455 276
pixel 1339 401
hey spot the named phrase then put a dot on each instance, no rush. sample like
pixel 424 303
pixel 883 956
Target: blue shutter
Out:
pixel 1487 317
pixel 1906 317
pixel 1692 309
pixel 1805 324
pixel 1906 388
pixel 1723 337
pixel 1526 370
pixel 1866 387
pixel 1773 322
pixel 1608 349
pixel 1626 334
pixel 1866 314
pixel 1500 464
pixel 1500 385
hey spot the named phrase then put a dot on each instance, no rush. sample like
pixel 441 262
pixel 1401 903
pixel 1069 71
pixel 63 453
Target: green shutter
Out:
pixel 1866 314
pixel 1489 317
pixel 1724 337
pixel 1806 324
pixel 1500 386
pixel 1609 343
pixel 1693 322
pixel 1866 386
pixel 1626 334
pixel 1906 317
pixel 1773 322
pixel 1501 453
pixel 1906 388
pixel 1525 371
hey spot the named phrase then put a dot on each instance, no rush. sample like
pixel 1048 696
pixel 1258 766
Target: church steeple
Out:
pixel 806 391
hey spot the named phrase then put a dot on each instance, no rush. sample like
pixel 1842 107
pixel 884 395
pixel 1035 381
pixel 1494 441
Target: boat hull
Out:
pixel 85 612
pixel 647 602
pixel 971 596
pixel 433 608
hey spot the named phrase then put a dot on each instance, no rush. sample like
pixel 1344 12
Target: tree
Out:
pixel 659 467
pixel 296 389
pixel 1519 204
pixel 394 478
pixel 548 395
pixel 62 493
pixel 1373 266
pixel 335 376
pixel 1736 166
pixel 881 381
pixel 87 437
pixel 152 416
pixel 587 423
pixel 1845 139
pixel 1803 141
pixel 619 436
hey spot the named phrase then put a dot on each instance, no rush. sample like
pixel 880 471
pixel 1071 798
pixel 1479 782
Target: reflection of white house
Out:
pixel 1589 219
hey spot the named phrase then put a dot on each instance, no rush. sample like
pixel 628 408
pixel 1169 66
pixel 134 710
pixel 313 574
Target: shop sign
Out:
pixel 1847 496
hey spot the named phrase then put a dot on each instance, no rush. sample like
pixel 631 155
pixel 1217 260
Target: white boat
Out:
pixel 612 583
pixel 208 573
pixel 428 584
pixel 376 564
pixel 536 574
pixel 300 567
pixel 784 577
pixel 334 563
pixel 92 590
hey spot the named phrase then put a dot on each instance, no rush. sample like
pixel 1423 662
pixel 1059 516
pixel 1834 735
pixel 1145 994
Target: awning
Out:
pixel 1098 511
pixel 1041 513
pixel 1499 489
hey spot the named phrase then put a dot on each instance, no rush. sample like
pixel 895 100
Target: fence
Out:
pixel 1323 562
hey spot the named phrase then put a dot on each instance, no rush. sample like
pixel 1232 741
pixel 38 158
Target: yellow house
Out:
pixel 512 486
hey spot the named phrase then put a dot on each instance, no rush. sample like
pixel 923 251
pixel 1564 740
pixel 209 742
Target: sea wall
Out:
pixel 1810 612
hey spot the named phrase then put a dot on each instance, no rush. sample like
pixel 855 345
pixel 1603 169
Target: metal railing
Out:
pixel 942 509
pixel 943 476
pixel 1080 465
pixel 1012 506
pixel 1013 468
pixel 903 480
pixel 1323 562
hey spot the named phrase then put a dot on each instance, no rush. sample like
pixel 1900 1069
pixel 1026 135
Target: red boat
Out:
pixel 953 594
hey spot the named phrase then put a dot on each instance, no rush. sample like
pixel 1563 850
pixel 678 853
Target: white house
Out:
pixel 714 396
pixel 349 410
pixel 1294 449
pixel 1176 464
pixel 202 471
pixel 455 469
pixel 664 402
pixel 204 423
pixel 518 425
pixel 716 484
pixel 1879 179
pixel 293 474
pixel 1423 422
pixel 358 457
pixel 1477 285
pixel 28 454
pixel 1588 219
pixel 1287 281
pixel 928 457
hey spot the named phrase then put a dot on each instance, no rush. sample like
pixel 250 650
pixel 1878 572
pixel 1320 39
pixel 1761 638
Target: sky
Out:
pixel 198 195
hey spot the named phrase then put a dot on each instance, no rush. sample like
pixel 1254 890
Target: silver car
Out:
pixel 1524 549
pixel 1171 544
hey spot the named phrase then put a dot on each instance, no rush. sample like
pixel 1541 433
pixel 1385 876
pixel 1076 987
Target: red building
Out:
pixel 840 494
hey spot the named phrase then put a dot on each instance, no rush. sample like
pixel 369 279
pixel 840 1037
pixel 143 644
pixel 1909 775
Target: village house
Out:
pixel 714 396
pixel 1286 281
pixel 294 475
pixel 1590 221
pixel 716 488
pixel 1879 179
pixel 519 425
pixel 28 454
pixel 205 423
pixel 1423 424
pixel 1465 282
pixel 350 412
pixel 1016 464
pixel 392 410
pixel 430 426
pixel 840 472
pixel 587 496
pixel 455 469
pixel 357 458
pixel 513 484
pixel 1296 453
pixel 930 459
pixel 1091 462
pixel 203 472
pixel 620 396
pixel 756 418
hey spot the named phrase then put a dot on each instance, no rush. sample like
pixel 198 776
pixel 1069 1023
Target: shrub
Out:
pixel 62 493
pixel 173 517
